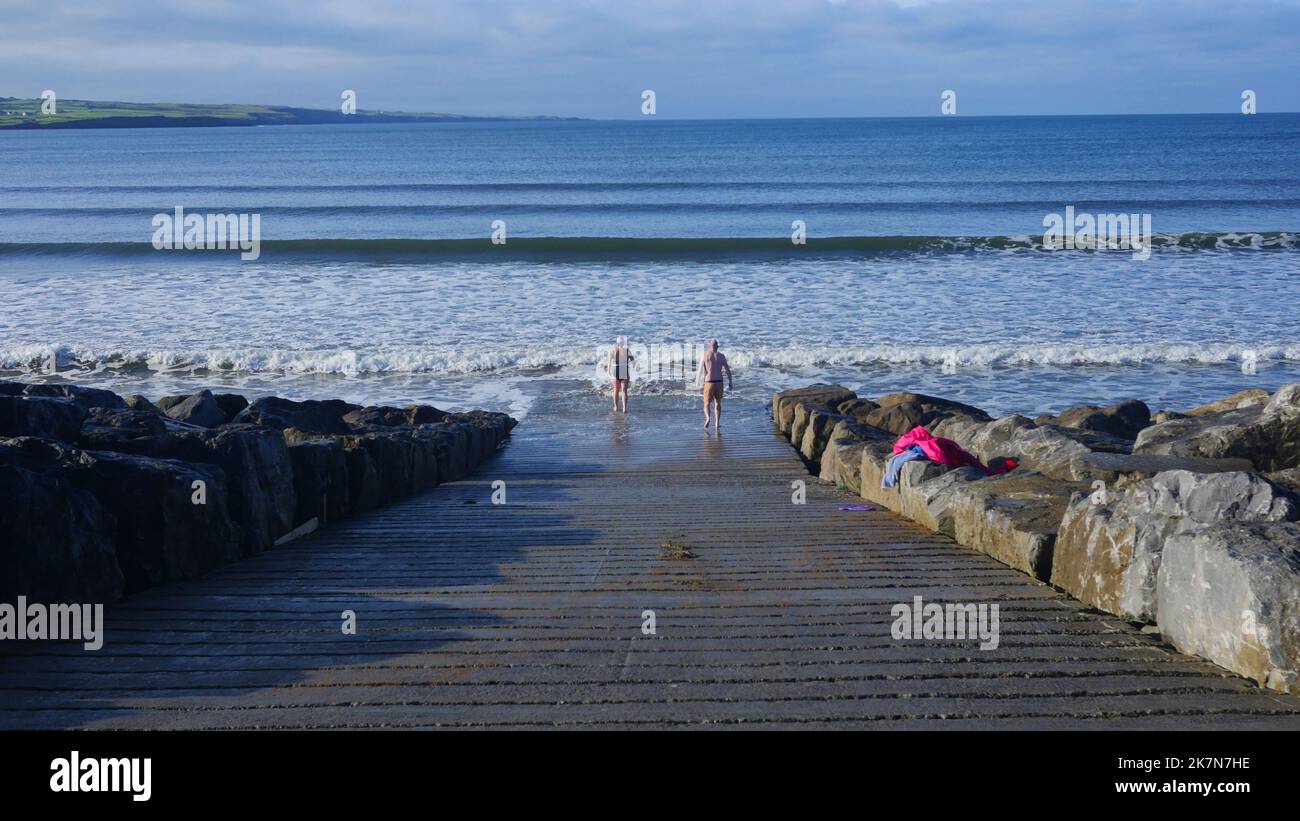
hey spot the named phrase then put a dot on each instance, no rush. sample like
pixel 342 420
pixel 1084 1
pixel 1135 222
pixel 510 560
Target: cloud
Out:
pixel 705 58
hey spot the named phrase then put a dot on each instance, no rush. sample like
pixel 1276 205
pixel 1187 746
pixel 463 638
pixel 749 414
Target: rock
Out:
pixel 114 429
pixel 841 460
pixel 166 403
pixel 1241 399
pixel 56 418
pixel 1109 547
pixel 137 402
pixel 1206 435
pixel 1166 416
pixel 1047 449
pixel 857 409
pixel 87 398
pixel 1289 479
pixel 397 463
pixel 321 485
pixel 932 501
pixel 260 475
pixel 1268 435
pixel 451 443
pixel 1123 419
pixel 313 416
pixel 255 459
pixel 58 538
pixel 1110 467
pixel 806 414
pixel 1231 593
pixel 231 404
pixel 783 402
pixel 384 416
pixel 821 421
pixel 160 534
pixel 487 431
pixel 1013 517
pixel 199 409
pixel 895 419
pixel 364 491
pixel 900 412
pixel 876 453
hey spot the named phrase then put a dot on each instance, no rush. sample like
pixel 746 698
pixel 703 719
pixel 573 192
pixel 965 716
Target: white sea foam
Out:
pixel 36 358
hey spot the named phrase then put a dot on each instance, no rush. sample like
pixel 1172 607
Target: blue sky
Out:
pixel 703 58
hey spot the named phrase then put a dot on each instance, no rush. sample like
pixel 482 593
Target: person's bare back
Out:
pixel 712 365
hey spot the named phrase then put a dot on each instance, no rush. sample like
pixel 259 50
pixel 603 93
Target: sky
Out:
pixel 702 58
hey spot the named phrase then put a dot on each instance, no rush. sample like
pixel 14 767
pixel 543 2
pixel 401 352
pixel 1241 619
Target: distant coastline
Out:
pixel 25 114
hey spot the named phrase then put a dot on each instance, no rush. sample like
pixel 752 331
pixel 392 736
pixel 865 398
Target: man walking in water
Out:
pixel 619 367
pixel 712 366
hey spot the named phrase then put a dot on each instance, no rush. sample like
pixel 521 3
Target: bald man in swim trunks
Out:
pixel 712 366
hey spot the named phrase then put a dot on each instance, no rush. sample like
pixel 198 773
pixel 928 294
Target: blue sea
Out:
pixel 923 269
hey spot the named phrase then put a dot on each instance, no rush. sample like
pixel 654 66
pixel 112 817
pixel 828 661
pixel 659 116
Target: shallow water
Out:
pixel 982 316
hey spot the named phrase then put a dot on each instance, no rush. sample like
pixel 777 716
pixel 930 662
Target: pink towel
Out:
pixel 937 449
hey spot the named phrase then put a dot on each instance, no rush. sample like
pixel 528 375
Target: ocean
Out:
pixel 378 279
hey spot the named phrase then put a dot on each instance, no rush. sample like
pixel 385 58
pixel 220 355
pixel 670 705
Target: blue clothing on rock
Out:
pixel 896 462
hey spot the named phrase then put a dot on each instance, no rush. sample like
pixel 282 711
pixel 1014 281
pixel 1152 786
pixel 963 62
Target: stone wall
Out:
pixel 1181 520
pixel 102 496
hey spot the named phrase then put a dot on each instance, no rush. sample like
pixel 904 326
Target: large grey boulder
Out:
pixel 858 409
pixel 1122 419
pixel 1114 467
pixel 1268 435
pixel 1013 517
pixel 386 416
pixel 821 422
pixel 876 453
pixel 1043 448
pixel 231 404
pixel 900 412
pixel 1110 544
pixel 321 484
pixel 55 417
pixel 1231 593
pixel 841 460
pixel 87 398
pixel 198 409
pixel 1240 399
pixel 162 535
pixel 784 402
pixel 487 430
pixel 386 464
pixel 58 537
pixel 364 490
pixel 255 460
pixel 158 531
pixel 115 429
pixel 1289 479
pixel 931 500
pixel 135 401
pixel 312 416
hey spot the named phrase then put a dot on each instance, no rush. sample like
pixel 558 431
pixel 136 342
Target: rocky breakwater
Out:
pixel 102 495
pixel 1181 519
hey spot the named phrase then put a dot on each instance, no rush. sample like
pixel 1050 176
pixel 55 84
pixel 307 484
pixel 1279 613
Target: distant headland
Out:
pixel 16 113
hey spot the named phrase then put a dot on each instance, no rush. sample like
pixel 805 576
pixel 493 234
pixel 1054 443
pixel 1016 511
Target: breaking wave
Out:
pixel 603 248
pixel 662 360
